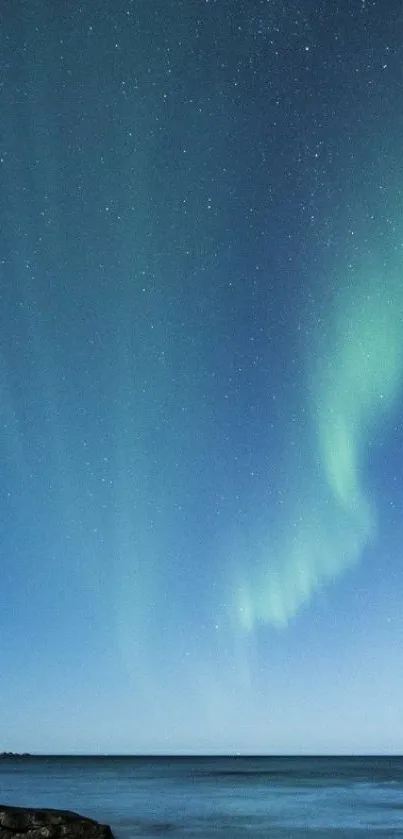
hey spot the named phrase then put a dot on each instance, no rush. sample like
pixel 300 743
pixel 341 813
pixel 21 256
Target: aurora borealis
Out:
pixel 201 370
pixel 360 377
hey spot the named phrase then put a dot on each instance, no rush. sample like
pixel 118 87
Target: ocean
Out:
pixel 217 797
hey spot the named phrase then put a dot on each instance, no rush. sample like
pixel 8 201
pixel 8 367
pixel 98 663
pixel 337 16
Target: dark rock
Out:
pixel 15 819
pixel 34 823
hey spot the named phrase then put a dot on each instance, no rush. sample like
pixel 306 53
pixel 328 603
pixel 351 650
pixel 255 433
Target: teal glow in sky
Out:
pixel 332 519
pixel 201 369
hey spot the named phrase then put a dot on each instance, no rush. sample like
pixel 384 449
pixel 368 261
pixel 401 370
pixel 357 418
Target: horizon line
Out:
pixel 200 755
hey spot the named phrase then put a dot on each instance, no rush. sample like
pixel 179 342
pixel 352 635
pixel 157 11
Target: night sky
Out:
pixel 201 375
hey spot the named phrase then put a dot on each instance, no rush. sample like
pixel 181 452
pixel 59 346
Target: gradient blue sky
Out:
pixel 201 369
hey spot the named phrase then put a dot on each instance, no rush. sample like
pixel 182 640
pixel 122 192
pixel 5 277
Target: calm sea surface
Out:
pixel 221 798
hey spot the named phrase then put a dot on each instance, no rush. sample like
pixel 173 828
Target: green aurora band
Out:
pixel 354 382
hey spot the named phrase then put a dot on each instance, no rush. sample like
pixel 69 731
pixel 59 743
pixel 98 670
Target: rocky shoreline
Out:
pixel 38 823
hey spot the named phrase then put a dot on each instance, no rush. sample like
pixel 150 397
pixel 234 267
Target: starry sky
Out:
pixel 201 376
